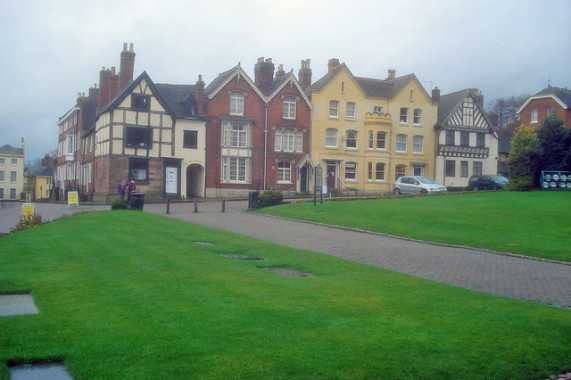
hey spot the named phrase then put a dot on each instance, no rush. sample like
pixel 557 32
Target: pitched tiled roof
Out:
pixel 40 171
pixel 562 93
pixel 386 89
pixel 219 80
pixel 7 149
pixel 275 85
pixel 318 86
pixel 180 98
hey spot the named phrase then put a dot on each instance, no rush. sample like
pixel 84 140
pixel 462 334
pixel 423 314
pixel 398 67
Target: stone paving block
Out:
pixel 17 304
pixel 43 371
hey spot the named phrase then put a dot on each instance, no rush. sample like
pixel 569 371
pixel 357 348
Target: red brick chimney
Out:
pixel 200 97
pixel 435 95
pixel 281 72
pixel 332 63
pixel 304 74
pixel 104 79
pixel 264 73
pixel 113 84
pixel 127 66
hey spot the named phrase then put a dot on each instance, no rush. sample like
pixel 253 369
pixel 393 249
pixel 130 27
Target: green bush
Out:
pixel 270 198
pixel 28 222
pixel 121 204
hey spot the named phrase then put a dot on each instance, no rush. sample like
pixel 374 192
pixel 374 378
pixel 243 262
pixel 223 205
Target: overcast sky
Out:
pixel 51 50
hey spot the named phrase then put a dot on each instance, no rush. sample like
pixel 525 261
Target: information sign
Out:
pixel 72 198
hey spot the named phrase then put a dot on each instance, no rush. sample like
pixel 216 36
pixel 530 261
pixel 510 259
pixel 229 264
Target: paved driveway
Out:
pixel 479 270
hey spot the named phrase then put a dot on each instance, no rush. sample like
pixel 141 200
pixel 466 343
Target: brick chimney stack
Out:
pixel 332 63
pixel 200 97
pixel 127 66
pixel 264 73
pixel 93 94
pixel 304 74
pixel 435 95
pixel 104 79
pixel 392 74
pixel 113 84
pixel 281 72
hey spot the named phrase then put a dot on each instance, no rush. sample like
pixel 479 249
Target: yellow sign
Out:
pixel 72 198
pixel 28 210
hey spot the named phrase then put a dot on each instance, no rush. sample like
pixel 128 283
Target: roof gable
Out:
pixel 561 95
pixel 224 78
pixel 451 112
pixel 330 76
pixel 181 99
pixel 8 149
pixel 129 89
pixel 281 82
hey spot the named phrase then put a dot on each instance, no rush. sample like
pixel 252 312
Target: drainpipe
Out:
pixel 265 144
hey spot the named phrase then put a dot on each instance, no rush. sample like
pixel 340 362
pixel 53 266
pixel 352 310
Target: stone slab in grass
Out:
pixel 288 272
pixel 242 257
pixel 17 304
pixel 44 371
pixel 203 243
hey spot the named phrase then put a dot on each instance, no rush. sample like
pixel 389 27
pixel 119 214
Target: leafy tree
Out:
pixel 523 159
pixel 555 142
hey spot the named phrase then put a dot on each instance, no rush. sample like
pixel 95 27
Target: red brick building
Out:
pixel 257 132
pixel 551 101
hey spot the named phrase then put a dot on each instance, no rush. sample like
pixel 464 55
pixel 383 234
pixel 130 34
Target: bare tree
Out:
pixel 504 110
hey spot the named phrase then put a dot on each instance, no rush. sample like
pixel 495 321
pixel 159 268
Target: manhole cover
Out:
pixel 44 371
pixel 243 257
pixel 289 272
pixel 17 304
pixel 203 243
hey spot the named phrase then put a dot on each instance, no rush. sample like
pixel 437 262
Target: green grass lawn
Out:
pixel 128 295
pixel 535 224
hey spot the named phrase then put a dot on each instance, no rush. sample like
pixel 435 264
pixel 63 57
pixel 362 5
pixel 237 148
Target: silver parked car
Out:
pixel 410 185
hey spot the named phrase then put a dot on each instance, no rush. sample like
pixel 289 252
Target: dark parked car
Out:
pixel 411 185
pixel 486 182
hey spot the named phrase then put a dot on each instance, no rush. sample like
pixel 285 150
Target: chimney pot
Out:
pixel 435 95
pixel 392 74
pixel 332 63
pixel 304 74
pixel 124 46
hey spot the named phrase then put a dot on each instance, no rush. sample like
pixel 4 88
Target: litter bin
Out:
pixel 253 200
pixel 137 200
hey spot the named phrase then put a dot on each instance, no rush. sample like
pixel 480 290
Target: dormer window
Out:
pixel 141 102
pixel 236 104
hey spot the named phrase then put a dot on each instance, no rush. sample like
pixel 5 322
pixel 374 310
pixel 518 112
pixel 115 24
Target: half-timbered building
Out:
pixel 467 143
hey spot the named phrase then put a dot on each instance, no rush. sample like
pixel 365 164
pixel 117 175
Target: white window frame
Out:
pixel 236 135
pixel 464 169
pixel 289 108
pixel 533 116
pixel 13 176
pixel 418 170
pixel 350 111
pixel 334 109
pixel 351 171
pixel 383 140
pixel 551 112
pixel 477 167
pixel 329 138
pixel 1 175
pixel 284 172
pixel 417 116
pixel 400 144
pixel 14 161
pixel 383 171
pixel 377 110
pixel 417 144
pixel 235 169
pixel 403 115
pixel 236 103
pixel 354 139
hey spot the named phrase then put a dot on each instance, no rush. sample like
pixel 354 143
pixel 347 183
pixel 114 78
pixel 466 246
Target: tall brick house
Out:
pixel 257 132
pixel 551 101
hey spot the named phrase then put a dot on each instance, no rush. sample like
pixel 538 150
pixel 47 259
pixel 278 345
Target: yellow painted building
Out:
pixel 368 132
pixel 39 183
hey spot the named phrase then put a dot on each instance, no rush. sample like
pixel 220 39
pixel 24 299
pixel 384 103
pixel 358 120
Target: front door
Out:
pixel 303 180
pixel 171 180
pixel 331 177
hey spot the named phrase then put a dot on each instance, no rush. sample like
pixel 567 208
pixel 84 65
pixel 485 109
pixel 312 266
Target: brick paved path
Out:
pixel 479 270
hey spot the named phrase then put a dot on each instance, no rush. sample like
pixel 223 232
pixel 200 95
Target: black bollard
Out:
pixel 195 205
pixel 223 205
pixel 168 205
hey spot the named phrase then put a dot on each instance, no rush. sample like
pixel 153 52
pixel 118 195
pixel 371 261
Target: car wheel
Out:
pixel 424 191
pixel 475 188
pixel 396 191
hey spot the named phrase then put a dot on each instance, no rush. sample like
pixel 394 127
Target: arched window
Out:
pixel 236 103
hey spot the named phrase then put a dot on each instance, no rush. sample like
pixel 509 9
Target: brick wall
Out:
pixel 542 105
